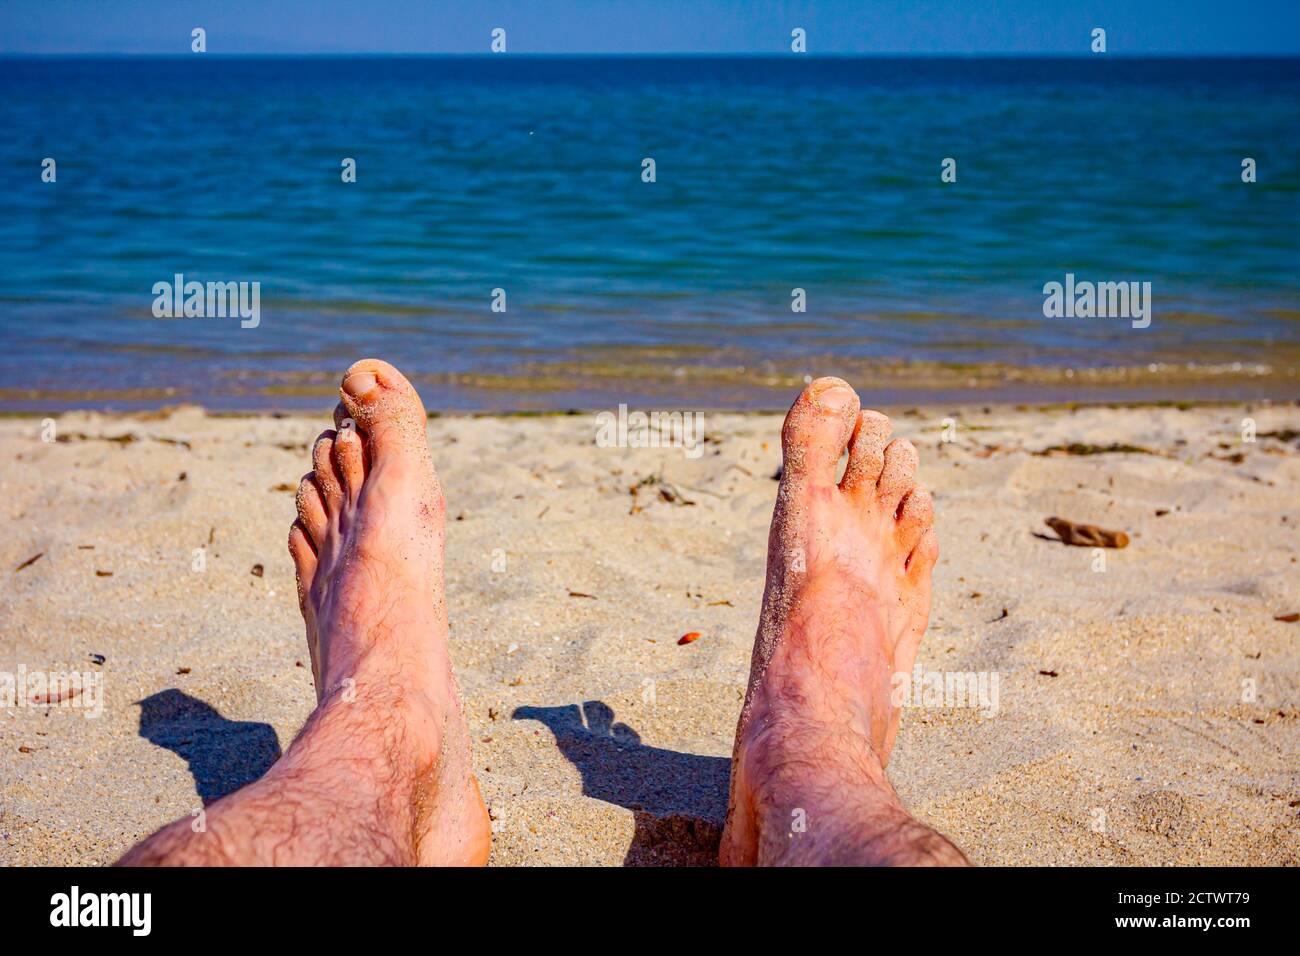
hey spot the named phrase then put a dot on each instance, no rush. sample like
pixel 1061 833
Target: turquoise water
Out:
pixel 525 174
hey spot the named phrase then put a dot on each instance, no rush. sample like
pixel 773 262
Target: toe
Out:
pixel 384 406
pixel 921 561
pixel 311 510
pixel 343 418
pixel 898 474
pixel 328 479
pixel 915 516
pixel 304 559
pixel 866 452
pixel 350 461
pixel 817 430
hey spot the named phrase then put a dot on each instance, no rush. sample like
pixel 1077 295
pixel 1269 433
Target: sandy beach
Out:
pixel 1148 708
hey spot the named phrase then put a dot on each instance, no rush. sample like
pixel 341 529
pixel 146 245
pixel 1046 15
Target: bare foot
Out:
pixel 846 603
pixel 368 548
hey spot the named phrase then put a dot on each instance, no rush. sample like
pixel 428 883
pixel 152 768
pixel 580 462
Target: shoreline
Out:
pixel 931 407
pixel 551 388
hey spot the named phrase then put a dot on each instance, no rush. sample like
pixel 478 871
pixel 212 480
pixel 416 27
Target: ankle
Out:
pixel 780 748
pixel 881 834
pixel 820 796
pixel 375 661
pixel 382 740
pixel 832 689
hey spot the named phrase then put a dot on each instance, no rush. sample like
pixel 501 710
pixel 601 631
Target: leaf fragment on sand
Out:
pixel 688 637
pixel 29 562
pixel 1287 618
pixel 581 594
pixel 673 495
pixel 1087 535
pixel 1084 448
pixel 56 697
pixel 667 491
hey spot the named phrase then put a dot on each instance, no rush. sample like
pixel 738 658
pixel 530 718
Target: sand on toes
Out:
pixel 846 602
pixel 367 546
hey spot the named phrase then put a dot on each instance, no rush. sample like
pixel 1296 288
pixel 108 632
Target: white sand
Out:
pixel 598 739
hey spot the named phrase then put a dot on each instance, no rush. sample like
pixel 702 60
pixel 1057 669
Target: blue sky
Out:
pixel 651 26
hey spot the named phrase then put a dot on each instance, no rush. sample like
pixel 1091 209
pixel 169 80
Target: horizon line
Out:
pixel 992 55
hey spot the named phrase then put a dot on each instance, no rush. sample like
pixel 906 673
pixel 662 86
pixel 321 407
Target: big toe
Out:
pixel 817 430
pixel 386 407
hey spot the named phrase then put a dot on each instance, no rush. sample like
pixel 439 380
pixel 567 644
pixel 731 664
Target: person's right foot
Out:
pixel 846 603
pixel 368 549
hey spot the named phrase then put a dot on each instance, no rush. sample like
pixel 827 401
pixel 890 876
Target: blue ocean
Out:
pixel 506 242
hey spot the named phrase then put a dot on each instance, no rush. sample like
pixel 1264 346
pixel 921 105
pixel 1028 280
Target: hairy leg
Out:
pixel 381 771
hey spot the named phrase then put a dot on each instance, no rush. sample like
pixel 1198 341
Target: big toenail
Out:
pixel 360 384
pixel 834 396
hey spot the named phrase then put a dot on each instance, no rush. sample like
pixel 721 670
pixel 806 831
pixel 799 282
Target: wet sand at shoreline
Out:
pixel 694 377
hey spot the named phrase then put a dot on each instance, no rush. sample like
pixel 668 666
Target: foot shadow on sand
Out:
pixel 223 755
pixel 678 800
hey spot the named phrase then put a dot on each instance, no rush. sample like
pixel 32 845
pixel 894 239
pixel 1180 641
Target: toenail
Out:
pixel 833 395
pixel 360 384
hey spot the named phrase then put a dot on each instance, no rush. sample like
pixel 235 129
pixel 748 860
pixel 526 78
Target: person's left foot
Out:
pixel 368 550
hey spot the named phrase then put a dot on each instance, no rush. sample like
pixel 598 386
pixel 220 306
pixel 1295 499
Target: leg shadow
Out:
pixel 223 755
pixel 678 800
